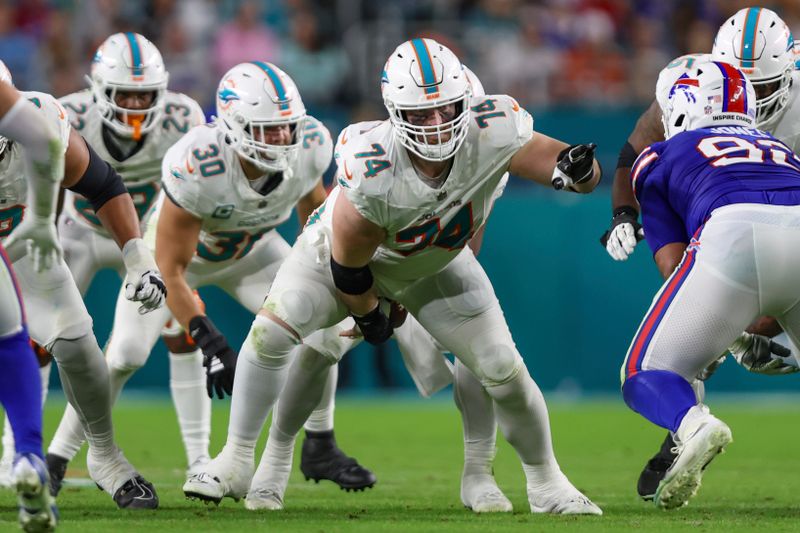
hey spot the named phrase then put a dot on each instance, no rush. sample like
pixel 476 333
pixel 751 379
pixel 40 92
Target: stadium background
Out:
pixel 584 68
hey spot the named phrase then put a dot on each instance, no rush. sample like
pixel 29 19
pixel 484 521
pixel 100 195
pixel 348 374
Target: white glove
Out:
pixel 621 241
pixel 762 355
pixel 143 282
pixel 35 236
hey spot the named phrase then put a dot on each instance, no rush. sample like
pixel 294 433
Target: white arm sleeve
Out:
pixel 43 154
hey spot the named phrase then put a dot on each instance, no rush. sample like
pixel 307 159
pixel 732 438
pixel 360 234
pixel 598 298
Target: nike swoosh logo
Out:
pixel 344 137
pixel 347 174
pixel 189 167
pixel 516 105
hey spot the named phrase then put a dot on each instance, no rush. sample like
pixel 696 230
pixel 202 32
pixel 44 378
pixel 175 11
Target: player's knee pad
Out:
pixel 497 364
pixel 271 342
pixel 127 353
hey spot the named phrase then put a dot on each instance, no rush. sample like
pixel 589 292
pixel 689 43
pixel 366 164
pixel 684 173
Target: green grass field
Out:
pixel 414 447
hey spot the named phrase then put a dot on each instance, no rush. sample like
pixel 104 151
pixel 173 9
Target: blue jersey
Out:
pixel 679 182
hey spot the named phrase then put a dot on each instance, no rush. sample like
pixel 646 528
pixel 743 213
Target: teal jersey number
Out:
pixel 374 166
pixel 311 134
pixel 77 115
pixel 231 244
pixel 486 107
pixel 209 168
pixel 453 236
pixel 143 196
pixel 10 217
pixel 174 113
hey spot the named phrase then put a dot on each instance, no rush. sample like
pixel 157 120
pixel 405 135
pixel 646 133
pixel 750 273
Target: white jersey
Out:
pixel 141 171
pixel 13 184
pixel 426 227
pixel 203 175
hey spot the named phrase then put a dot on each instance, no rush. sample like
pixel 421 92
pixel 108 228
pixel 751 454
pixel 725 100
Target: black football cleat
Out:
pixel 136 493
pixel 57 468
pixel 322 459
pixel 655 469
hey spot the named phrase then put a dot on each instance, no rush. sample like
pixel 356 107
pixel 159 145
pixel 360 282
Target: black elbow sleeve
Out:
pixel 100 182
pixel 627 156
pixel 351 280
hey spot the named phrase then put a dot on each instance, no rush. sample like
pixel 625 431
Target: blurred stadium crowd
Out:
pixel 594 53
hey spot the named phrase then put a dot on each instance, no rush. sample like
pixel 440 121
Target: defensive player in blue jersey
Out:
pixel 760 43
pixel 720 213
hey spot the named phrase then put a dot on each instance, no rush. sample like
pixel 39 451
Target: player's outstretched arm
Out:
pixel 43 157
pixel 177 235
pixel 537 160
pixel 355 240
pixel 625 231
pixel 88 175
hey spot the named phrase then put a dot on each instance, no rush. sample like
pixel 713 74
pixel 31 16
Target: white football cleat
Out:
pixel 224 476
pixel 37 509
pixel 700 437
pixel 560 497
pixel 110 472
pixel 197 466
pixel 263 499
pixel 480 494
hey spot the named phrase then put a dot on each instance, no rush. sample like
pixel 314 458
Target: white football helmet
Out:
pixel 710 94
pixel 128 62
pixel 5 75
pixel 252 97
pixel 760 44
pixel 423 74
pixel 475 85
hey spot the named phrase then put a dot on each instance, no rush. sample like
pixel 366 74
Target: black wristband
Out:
pixel 625 210
pixel 351 280
pixel 627 156
pixel 375 326
pixel 206 335
pixel 100 182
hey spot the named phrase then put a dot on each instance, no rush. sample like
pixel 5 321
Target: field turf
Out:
pixel 414 447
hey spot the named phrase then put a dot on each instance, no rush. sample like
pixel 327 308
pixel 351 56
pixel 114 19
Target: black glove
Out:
pixel 218 358
pixel 575 164
pixel 375 326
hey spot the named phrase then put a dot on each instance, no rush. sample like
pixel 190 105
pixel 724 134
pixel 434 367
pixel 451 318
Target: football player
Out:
pixel 43 163
pixel 130 119
pixel 758 42
pixel 59 321
pixel 226 187
pixel 719 209
pixel 412 190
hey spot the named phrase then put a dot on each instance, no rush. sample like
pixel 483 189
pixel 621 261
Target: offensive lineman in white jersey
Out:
pixel 226 187
pixel 411 192
pixel 759 43
pixel 59 321
pixel 130 119
pixel 43 159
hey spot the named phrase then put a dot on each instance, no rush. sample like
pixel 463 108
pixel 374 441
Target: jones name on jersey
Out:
pixel 141 171
pixel 426 227
pixel 203 175
pixel 13 184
